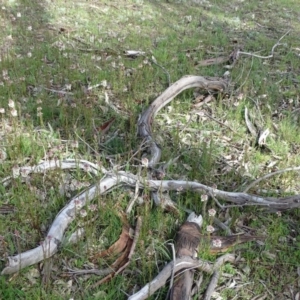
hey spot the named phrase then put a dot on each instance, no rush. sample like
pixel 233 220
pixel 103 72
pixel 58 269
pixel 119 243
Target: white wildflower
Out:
pixel 204 197
pixel 11 103
pixel 83 213
pixel 15 171
pixel 211 212
pixel 217 243
pixel 145 162
pixel 93 207
pixel 210 228
pixel 14 112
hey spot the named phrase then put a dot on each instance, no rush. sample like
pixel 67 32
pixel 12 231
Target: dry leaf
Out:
pixel 117 247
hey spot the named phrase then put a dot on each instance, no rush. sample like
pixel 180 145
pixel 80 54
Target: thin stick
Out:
pixel 212 285
pixel 173 273
pixel 272 51
pixel 219 122
pixel 153 60
pixel 136 193
pixel 89 146
pixel 58 91
pixel 268 176
pixel 214 280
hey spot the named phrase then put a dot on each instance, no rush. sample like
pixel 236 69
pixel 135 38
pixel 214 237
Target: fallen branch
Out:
pixel 161 279
pixel 181 263
pixel 216 274
pixel 55 234
pixel 187 242
pixel 44 166
pixel 234 197
pixel 112 180
pixel 146 119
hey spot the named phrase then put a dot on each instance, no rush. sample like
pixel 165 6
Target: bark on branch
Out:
pixel 112 180
pixel 146 119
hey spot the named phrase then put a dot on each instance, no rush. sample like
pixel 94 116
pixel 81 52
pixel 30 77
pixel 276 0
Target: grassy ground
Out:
pixel 69 46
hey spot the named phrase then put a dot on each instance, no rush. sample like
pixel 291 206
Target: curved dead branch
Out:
pixel 210 84
pixel 56 232
pixel 111 180
pixel 146 119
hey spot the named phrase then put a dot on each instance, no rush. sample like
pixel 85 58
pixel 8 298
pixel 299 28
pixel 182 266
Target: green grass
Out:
pixel 47 47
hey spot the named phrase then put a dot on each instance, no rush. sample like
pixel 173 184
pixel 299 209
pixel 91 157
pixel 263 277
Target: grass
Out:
pixel 71 45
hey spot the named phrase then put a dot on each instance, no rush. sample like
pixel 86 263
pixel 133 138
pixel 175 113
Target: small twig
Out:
pixel 269 292
pixel 136 193
pixel 221 123
pixel 222 207
pixel 272 51
pixel 173 273
pixel 217 202
pixel 153 60
pixel 111 138
pixel 97 272
pixel 212 285
pixel 172 161
pixel 89 146
pixel 141 147
pixel 94 86
pixel 249 124
pixel 133 53
pixel 260 25
pixel 222 226
pixel 222 259
pixel 58 92
pixel 268 176
pixel 136 236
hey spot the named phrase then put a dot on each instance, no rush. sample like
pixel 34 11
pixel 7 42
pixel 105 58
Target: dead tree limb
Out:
pixel 112 180
pixel 187 242
pixel 146 119
pixel 181 263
